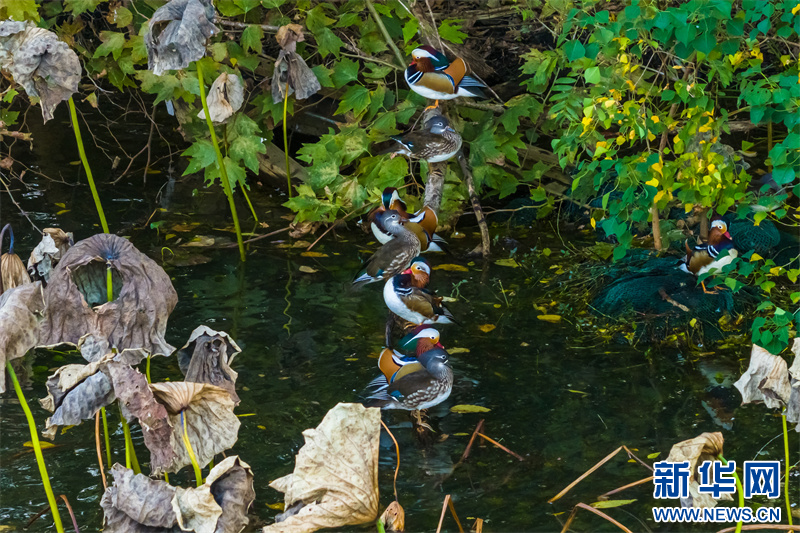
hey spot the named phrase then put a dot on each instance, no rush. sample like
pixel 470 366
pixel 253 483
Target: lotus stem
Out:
pixel 109 283
pixel 74 116
pixel 223 172
pixel 249 203
pixel 788 466
pixel 105 435
pixel 286 139
pixel 37 449
pixel 147 369
pixel 131 460
pixel 198 474
pixel 739 489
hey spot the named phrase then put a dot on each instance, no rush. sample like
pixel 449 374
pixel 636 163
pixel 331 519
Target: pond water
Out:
pixel 558 394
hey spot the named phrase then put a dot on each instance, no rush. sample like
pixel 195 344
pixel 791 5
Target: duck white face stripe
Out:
pixel 719 224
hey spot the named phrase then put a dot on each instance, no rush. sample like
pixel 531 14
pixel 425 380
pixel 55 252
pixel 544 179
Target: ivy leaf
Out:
pixel 19 10
pixel 252 37
pixel 410 29
pixel 345 71
pixel 323 75
pixel 113 42
pixel 356 99
pixel 236 174
pixel 164 87
pixel 316 19
pixel 245 148
pixel 450 30
pixel 202 155
pixel 328 42
pixel 120 16
pixel 81 6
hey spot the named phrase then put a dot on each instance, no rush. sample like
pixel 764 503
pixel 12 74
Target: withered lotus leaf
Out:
pixel 76 392
pixel 291 68
pixel 134 503
pixel 138 504
pixel 54 244
pixel 46 67
pixel 21 311
pixel 77 297
pixel 210 423
pixel 177 34
pixel 766 379
pixel 793 407
pixel 335 478
pixel 394 518
pixel 12 272
pixel 225 98
pixel 705 447
pixel 206 358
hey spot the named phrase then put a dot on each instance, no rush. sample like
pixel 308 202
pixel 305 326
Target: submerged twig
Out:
pixel 397 468
pixel 605 496
pixel 501 446
pixel 595 511
pixel 464 456
pixel 448 503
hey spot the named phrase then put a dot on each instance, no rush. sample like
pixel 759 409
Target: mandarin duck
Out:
pixel 391 362
pixel 705 258
pixel 406 296
pixel 425 217
pixel 434 77
pixel 429 385
pixel 396 255
pixel 434 143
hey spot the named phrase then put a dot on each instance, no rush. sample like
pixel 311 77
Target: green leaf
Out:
pixel 592 75
pixel 356 99
pixel 574 50
pixel 19 10
pixel 165 86
pixel 328 42
pixel 122 16
pixel 316 19
pixel 410 29
pixel 252 37
pixel 323 75
pixel 524 106
pixel 245 141
pixel 202 155
pixel 344 71
pixel 450 30
pixel 113 42
pixel 81 6
pixel 236 174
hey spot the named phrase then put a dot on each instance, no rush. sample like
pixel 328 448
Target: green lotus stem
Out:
pixel 739 490
pixel 286 139
pixel 105 435
pixel 109 284
pixel 223 172
pixel 147 369
pixel 249 204
pixel 37 449
pixel 198 474
pixel 74 116
pixel 130 452
pixel 166 477
pixel 788 467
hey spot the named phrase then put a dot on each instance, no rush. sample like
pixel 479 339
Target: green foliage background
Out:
pixel 633 99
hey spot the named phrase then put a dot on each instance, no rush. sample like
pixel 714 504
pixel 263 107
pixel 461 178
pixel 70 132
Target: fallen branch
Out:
pixel 448 503
pixel 605 496
pixel 501 446
pixel 667 298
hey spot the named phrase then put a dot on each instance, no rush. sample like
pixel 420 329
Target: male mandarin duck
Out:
pixel 426 218
pixel 421 339
pixel 396 255
pixel 426 387
pixel 436 142
pixel 394 364
pixel 704 257
pixel 406 296
pixel 434 77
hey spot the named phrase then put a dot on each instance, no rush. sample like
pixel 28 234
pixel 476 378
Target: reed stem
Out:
pixel 739 490
pixel 37 449
pixel 105 435
pixel 131 461
pixel 198 474
pixel 74 116
pixel 223 172
pixel 286 139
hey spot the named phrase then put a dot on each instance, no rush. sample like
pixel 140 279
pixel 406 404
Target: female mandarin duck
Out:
pixel 406 296
pixel 396 255
pixel 426 387
pixel 434 77
pixel 426 218
pixel 705 257
pixel 436 142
